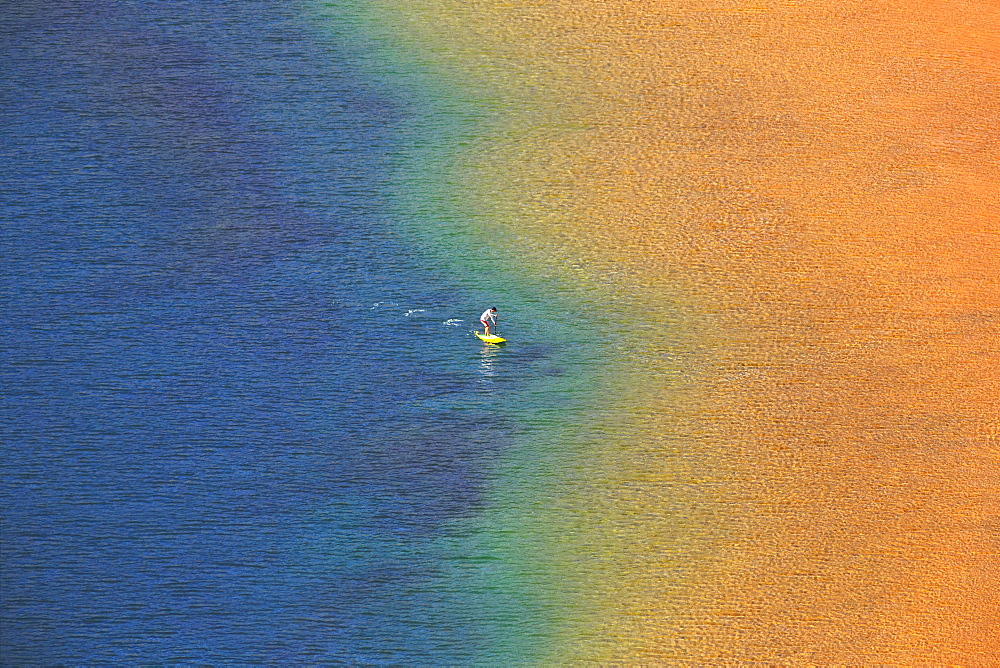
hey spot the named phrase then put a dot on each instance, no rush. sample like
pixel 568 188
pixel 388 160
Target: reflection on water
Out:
pixel 489 357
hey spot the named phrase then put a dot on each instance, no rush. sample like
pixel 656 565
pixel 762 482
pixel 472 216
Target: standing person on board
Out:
pixel 488 316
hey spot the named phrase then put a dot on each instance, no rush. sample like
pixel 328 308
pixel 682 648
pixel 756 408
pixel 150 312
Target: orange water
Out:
pixel 793 210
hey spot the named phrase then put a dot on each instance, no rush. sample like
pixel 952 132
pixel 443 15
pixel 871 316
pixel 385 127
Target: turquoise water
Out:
pixel 244 417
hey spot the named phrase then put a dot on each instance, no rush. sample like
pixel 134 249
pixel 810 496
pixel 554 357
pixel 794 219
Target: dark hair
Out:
pixel 493 308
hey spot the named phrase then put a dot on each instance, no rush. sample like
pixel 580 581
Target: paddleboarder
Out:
pixel 489 316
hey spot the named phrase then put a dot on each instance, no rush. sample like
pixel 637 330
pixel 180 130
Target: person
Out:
pixel 488 316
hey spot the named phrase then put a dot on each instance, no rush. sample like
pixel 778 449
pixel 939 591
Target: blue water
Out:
pixel 237 421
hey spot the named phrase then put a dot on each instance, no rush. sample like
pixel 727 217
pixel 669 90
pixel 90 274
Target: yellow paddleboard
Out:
pixel 492 338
